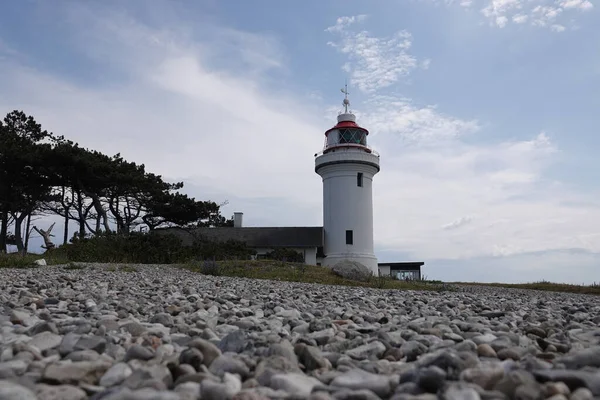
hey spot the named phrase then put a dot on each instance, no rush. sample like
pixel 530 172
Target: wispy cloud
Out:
pixel 540 13
pixel 343 22
pixel 176 111
pixel 198 106
pixel 431 173
pixel 458 223
pixel 503 188
pixel 552 14
pixel 412 124
pixel 374 62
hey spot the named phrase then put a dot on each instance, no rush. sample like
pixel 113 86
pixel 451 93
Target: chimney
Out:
pixel 237 219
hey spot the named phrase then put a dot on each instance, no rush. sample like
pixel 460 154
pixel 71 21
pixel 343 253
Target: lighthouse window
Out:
pixel 354 136
pixel 349 237
pixel 359 179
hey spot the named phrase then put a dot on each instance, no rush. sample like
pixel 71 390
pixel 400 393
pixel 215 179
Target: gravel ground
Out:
pixel 163 333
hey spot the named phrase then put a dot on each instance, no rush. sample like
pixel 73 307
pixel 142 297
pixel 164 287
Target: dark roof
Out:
pixel 303 236
pixel 403 266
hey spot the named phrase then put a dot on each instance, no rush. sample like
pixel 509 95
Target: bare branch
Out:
pixel 46 235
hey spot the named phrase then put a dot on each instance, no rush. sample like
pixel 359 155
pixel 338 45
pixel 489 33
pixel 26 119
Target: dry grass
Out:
pixel 297 272
pixel 594 288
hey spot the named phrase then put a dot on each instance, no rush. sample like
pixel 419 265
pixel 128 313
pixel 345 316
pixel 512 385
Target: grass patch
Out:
pixel 16 260
pixel 72 266
pixel 594 288
pixel 299 272
pixel 128 268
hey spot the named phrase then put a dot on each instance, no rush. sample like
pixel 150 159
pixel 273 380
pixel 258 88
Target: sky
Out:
pixel 484 113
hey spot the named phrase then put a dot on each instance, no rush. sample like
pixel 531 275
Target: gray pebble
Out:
pixel 11 390
pixel 173 334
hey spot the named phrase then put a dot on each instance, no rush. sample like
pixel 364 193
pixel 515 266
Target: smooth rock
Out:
pixel 298 384
pixel 358 379
pixel 59 392
pixel 116 374
pixel 10 390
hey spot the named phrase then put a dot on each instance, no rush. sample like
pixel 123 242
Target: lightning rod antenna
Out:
pixel 346 102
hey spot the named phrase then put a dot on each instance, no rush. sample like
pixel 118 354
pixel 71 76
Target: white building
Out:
pixel 306 240
pixel 347 166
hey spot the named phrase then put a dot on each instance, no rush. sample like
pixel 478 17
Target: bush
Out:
pixel 285 254
pixel 219 251
pixel 210 267
pixel 381 281
pixel 148 248
pixel 17 260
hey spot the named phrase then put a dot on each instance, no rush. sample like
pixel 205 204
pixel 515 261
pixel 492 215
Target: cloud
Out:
pixel 520 18
pixel 175 110
pixel 374 63
pixel 511 205
pixel 458 223
pixel 436 166
pixel 405 122
pixel 572 266
pixel 343 22
pixel 196 105
pixel 576 4
pixel 539 13
pixel 377 63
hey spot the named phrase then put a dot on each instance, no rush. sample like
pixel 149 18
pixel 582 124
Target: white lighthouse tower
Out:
pixel 347 166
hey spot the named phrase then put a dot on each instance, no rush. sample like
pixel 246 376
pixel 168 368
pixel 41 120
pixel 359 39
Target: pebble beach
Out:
pixel 165 333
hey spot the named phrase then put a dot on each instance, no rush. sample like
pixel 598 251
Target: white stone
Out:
pixel 11 390
pixel 116 374
pixel 295 383
pixel 46 340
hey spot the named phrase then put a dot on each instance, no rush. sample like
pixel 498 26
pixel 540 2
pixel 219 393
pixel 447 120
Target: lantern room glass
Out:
pixel 352 136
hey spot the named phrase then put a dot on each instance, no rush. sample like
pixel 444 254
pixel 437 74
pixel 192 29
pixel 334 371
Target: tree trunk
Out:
pixel 114 208
pixel 81 228
pixel 82 214
pixel 100 212
pixel 66 227
pixel 67 208
pixel 27 234
pixel 3 231
pixel 18 231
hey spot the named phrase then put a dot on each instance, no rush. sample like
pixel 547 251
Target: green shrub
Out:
pixel 380 282
pixel 17 260
pixel 220 251
pixel 210 267
pixel 148 248
pixel 73 266
pixel 286 255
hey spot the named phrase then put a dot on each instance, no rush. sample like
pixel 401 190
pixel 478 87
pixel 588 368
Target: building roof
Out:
pixel 269 237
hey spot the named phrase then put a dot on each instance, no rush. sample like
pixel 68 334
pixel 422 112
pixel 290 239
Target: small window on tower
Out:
pixel 349 238
pixel 359 179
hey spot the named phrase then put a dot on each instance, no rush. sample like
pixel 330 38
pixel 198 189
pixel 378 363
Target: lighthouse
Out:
pixel 347 166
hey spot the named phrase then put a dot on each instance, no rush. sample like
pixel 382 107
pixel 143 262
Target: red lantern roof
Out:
pixel 347 124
